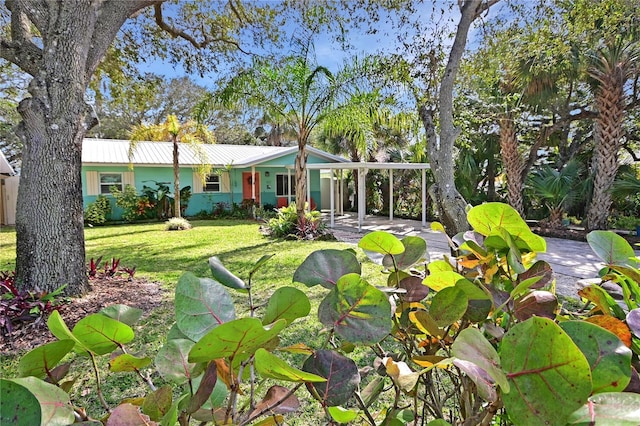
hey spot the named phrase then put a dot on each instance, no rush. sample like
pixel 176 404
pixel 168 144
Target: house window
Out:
pixel 107 180
pixel 212 183
pixel 283 184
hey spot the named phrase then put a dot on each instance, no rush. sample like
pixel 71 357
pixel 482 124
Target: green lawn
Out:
pixel 163 256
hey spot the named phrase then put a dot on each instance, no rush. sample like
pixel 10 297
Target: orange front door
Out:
pixel 248 186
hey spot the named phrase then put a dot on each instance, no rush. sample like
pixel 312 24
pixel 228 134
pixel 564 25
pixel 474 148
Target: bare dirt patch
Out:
pixel 106 291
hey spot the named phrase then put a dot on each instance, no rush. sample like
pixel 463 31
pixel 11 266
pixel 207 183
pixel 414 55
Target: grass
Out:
pixel 163 256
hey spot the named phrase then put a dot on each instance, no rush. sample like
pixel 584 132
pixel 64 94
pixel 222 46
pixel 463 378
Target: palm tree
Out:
pixel 172 131
pixel 611 67
pixel 556 189
pixel 296 90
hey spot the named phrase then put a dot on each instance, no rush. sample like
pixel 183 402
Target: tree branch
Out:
pixel 175 32
pixel 20 50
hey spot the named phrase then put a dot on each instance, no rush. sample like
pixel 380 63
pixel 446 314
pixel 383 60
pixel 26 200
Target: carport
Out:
pixel 363 168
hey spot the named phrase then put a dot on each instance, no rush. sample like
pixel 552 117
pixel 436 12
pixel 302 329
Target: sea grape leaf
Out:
pixel 480 303
pixel 201 304
pixel 611 248
pixel 287 303
pixel 472 346
pixel 128 415
pixel 448 306
pixel 485 384
pixel 59 329
pixel 442 279
pixel 224 276
pixel 603 300
pixel 171 417
pixel 416 290
pixel 172 364
pixel 101 334
pixel 122 313
pixel 158 403
pixel 609 358
pixel 514 257
pixel 260 263
pixel 381 242
pixel 537 303
pixel 541 270
pixel 270 366
pixel 18 406
pixel 276 401
pixel 54 402
pixel 426 323
pixel 342 415
pixel 359 312
pixel 341 374
pixel 633 321
pixel 415 249
pixel 609 409
pixel 237 339
pixel 614 325
pixel 549 377
pixel 128 362
pixel 486 218
pixel 439 266
pixel 175 333
pixel 205 387
pixel 438 422
pixel 44 358
pixel 401 374
pixel 274 420
pixel 325 267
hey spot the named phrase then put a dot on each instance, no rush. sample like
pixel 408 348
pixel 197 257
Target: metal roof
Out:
pixel 112 151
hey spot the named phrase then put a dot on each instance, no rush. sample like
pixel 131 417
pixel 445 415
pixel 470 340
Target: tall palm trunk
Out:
pixel 176 178
pixel 512 161
pixel 610 72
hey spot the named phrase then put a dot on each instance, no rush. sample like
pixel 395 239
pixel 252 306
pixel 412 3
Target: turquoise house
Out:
pixel 261 173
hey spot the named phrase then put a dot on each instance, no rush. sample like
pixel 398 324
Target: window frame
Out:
pixel 292 186
pixel 207 182
pixel 101 185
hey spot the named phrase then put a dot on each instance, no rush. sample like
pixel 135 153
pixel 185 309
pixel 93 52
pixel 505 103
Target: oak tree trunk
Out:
pixel 72 37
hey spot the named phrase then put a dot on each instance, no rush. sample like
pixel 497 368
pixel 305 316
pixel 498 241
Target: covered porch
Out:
pixel 362 169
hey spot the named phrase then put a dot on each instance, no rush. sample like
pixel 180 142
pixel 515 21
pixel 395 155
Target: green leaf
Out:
pixel 448 306
pixel 235 339
pixel 287 303
pixel 611 248
pixel 609 409
pixel 442 279
pixel 341 373
pixel 171 361
pixel 128 362
pixel 603 300
pixel 480 303
pixel 202 304
pixel 101 334
pixel 270 366
pixel 439 266
pixel 325 267
pixel 487 218
pixel 549 377
pixel 438 422
pixel 260 263
pixel 609 358
pixel 359 312
pixel 44 358
pixel 224 276
pixel 59 329
pixel 158 403
pixel 381 242
pixel 471 345
pixel 415 249
pixel 54 402
pixel 123 313
pixel 18 406
pixel 342 415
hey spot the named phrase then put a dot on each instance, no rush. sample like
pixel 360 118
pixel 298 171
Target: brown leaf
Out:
pixel 274 404
pixel 614 325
